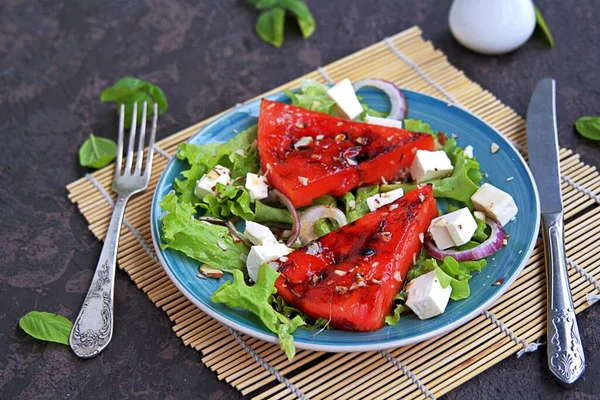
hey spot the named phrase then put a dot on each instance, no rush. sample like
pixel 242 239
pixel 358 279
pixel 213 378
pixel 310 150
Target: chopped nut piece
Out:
pixel 398 276
pixel 386 236
pixel 341 289
pixel 359 140
pixel 210 272
pixel 498 282
pixel 351 161
pixel 222 245
pixel 283 259
pixel 320 137
pixel 339 272
pixel 376 281
pixel 352 204
pixel 422 237
pixel 393 207
pixel 303 142
pixel 510 178
pixel 494 148
pixel 303 180
pixel 339 137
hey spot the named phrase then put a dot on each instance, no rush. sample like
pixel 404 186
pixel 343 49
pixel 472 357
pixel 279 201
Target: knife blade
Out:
pixel 542 144
pixel 565 351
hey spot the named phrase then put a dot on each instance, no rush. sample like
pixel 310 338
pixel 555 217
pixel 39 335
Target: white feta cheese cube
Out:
pixel 259 234
pixel 262 254
pixel 469 151
pixel 391 123
pixel 495 203
pixel 381 199
pixel 206 185
pixel 257 186
pixel 429 165
pixel 426 297
pixel 344 96
pixel 453 229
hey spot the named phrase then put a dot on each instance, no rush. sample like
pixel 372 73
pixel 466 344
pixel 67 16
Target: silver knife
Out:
pixel 565 351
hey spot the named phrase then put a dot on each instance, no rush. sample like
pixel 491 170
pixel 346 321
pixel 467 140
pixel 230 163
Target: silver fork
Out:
pixel 93 327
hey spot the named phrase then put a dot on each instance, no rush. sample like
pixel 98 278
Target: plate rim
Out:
pixel 272 338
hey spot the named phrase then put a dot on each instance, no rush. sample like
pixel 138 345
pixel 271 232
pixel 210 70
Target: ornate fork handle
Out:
pixel 565 351
pixel 93 327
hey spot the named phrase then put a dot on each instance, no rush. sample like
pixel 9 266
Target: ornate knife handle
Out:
pixel 93 327
pixel 565 351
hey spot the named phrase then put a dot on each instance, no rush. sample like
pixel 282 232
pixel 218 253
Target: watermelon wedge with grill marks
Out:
pixel 306 154
pixel 351 275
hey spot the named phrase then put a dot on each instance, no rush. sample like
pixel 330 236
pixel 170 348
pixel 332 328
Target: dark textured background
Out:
pixel 57 55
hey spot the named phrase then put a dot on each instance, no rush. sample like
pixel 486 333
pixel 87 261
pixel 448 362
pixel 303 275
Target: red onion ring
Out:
pixel 296 225
pixel 397 99
pixel 312 214
pixel 485 249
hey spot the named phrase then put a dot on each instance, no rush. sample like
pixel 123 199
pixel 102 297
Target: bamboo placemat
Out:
pixel 428 369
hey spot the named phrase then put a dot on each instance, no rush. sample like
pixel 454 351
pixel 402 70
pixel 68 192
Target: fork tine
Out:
pixel 140 151
pixel 148 169
pixel 131 140
pixel 119 162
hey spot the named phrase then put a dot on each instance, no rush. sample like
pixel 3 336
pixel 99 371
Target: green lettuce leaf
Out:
pixel 282 307
pixel 227 202
pixel 449 272
pixel 258 300
pixel 480 235
pixel 312 95
pixel 46 326
pixel 199 240
pixel 416 125
pixel 462 183
pixel 239 154
pixel 400 307
pixel 266 213
pixel 356 205
pixel 323 226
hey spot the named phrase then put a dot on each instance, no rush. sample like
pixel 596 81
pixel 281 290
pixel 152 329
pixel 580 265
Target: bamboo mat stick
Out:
pixel 440 364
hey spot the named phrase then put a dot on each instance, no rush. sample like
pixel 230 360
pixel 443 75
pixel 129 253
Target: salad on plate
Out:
pixel 326 214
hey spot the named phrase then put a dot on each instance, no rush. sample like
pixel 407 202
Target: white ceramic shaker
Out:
pixel 492 26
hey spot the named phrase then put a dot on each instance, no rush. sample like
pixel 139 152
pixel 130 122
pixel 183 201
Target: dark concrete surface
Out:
pixel 57 55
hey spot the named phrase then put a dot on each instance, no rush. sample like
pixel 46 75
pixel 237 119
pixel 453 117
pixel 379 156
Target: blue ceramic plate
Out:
pixel 506 263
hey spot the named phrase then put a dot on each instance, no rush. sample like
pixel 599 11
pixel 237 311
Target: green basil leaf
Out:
pixel 588 127
pixel 46 326
pixel 269 26
pixel 264 4
pixel 541 24
pixel 303 16
pixel 129 91
pixel 123 88
pixel 97 152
